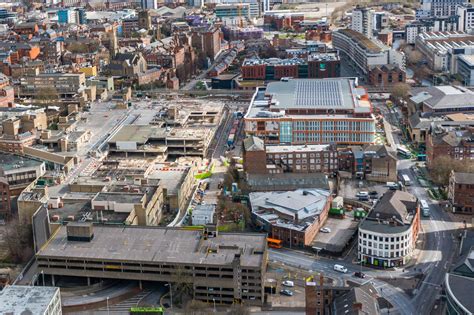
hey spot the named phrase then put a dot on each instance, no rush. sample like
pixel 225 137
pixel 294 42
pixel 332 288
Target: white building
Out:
pixel 466 17
pixel 366 52
pixel 387 236
pixel 149 4
pixel 438 8
pixel 203 214
pixel 17 299
pixel 362 21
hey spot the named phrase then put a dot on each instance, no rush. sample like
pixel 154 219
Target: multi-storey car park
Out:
pixel 222 267
pixel 311 111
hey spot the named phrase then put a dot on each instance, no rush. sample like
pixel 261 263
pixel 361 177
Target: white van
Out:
pixel 340 268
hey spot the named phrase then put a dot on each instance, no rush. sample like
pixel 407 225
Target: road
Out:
pixel 433 261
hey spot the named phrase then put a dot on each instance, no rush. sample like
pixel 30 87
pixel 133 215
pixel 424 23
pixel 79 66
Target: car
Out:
pixel 340 268
pixel 288 283
pixel 373 193
pixel 359 274
pixel 286 292
pixel 325 230
pixel 362 194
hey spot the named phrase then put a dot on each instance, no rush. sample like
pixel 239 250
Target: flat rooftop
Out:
pixel 11 162
pixel 296 148
pixel 137 133
pixel 338 94
pixel 159 245
pixel 119 197
pixel 18 299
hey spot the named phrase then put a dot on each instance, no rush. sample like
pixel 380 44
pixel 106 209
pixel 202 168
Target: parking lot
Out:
pixel 341 232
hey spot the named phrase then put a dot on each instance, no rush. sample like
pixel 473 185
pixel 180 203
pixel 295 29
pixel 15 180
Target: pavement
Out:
pixel 433 260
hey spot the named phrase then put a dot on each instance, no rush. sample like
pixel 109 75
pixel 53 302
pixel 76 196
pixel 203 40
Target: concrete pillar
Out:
pixel 140 284
pixel 88 281
pixel 52 280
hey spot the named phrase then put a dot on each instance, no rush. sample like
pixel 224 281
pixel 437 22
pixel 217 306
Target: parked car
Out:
pixel 325 230
pixel 359 274
pixel 286 292
pixel 288 283
pixel 362 194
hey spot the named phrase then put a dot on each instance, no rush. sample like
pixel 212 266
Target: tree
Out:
pixel 415 57
pixel 78 48
pixel 400 91
pixel 48 95
pixel 19 240
pixel 442 166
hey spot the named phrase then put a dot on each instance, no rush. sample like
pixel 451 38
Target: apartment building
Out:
pixel 362 21
pixel 465 13
pixel 387 236
pixel 461 192
pixel 365 52
pixel 222 268
pixel 311 111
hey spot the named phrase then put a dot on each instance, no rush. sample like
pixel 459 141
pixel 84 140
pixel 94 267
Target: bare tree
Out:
pixel 238 309
pixel 400 91
pixel 19 240
pixel 443 165
pixel 48 95
pixel 414 57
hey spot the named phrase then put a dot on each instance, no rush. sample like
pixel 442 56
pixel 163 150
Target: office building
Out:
pixel 311 111
pixel 461 192
pixel 313 65
pixel 362 21
pixel 67 85
pixel 387 236
pixel 18 299
pixel 435 46
pixel 232 10
pixel 223 268
pixel 294 217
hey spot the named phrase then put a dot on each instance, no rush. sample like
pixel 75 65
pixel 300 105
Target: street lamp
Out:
pixel 171 294
pixel 214 300
pixel 42 275
pixel 107 306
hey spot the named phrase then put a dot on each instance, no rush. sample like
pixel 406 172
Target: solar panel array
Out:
pixel 319 93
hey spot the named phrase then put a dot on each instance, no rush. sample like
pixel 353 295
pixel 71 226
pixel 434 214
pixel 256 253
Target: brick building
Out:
pixel 461 192
pixel 456 144
pixel 294 217
pixel 276 159
pixel 386 75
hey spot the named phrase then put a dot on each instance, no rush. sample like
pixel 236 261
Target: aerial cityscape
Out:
pixel 239 157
